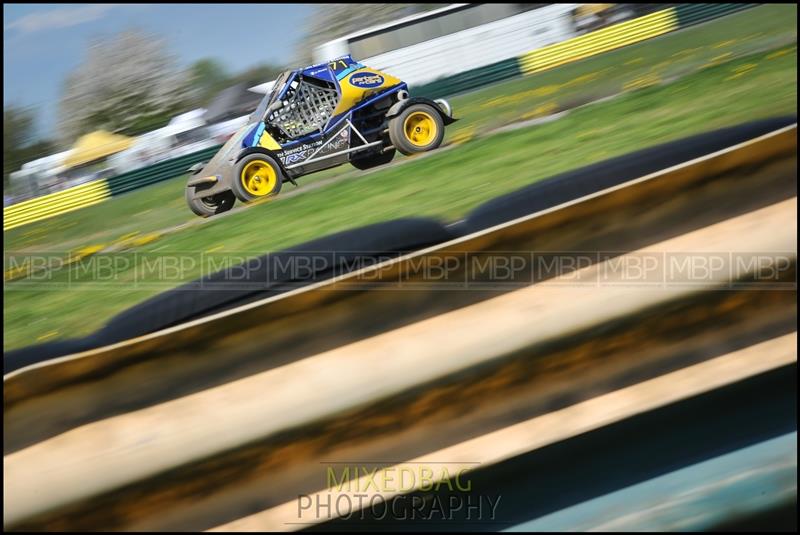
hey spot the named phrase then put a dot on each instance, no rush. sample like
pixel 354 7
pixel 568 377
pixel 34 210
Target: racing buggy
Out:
pixel 313 119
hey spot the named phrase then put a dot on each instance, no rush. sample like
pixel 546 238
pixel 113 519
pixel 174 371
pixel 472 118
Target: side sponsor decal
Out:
pixel 340 142
pixel 366 80
pixel 317 72
pixel 298 154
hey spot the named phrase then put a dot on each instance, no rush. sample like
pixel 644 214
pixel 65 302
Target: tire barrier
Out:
pixel 161 432
pixel 609 173
pixel 263 277
pixel 258 278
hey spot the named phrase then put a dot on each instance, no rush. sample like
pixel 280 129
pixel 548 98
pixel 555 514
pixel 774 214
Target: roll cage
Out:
pixel 299 105
pixel 308 104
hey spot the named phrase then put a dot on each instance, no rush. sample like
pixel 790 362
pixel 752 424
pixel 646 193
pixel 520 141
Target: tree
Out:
pixel 129 83
pixel 209 77
pixel 19 146
pixel 258 74
pixel 17 123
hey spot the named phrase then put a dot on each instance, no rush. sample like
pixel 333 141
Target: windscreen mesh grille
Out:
pixel 309 108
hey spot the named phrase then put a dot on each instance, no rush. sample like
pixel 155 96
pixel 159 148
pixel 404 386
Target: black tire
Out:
pixel 267 275
pixel 209 294
pixel 209 206
pixel 403 135
pixel 568 186
pixel 373 160
pixel 262 188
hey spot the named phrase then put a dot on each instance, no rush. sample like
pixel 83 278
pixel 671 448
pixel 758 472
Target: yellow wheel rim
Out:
pixel 259 178
pixel 420 128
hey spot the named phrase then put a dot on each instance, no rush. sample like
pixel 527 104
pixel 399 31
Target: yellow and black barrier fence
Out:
pixel 623 34
pixel 597 42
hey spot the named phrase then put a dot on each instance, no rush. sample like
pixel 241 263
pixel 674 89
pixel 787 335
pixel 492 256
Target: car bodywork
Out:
pixel 314 118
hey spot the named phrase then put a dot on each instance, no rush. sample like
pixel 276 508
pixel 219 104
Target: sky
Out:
pixel 42 43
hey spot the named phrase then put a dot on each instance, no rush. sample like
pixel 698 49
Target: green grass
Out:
pixel 445 185
pixel 162 206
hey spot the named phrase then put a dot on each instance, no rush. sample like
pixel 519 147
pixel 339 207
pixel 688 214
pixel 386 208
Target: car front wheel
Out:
pixel 418 128
pixel 258 176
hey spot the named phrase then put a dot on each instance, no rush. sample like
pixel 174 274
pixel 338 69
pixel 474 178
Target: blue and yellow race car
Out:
pixel 316 118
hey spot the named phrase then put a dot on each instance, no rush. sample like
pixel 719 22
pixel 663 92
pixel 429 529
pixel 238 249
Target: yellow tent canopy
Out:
pixel 95 146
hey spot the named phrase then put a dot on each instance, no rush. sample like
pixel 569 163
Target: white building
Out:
pixel 185 133
pixel 460 37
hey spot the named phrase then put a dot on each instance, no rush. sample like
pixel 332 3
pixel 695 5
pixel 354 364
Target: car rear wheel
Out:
pixel 258 176
pixel 373 160
pixel 211 205
pixel 418 128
